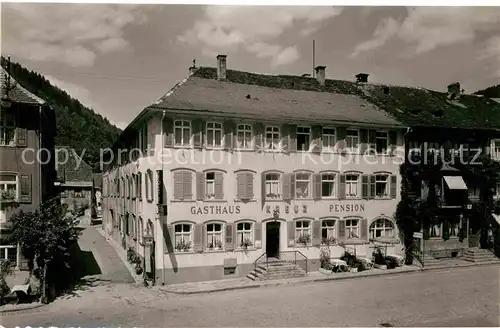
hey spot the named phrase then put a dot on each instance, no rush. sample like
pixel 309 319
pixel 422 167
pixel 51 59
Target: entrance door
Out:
pixel 272 239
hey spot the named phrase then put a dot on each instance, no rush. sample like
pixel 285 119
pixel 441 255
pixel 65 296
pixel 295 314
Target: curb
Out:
pixel 303 282
pixel 14 310
pixel 123 258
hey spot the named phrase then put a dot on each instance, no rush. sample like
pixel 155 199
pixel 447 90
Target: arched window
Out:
pixel 244 234
pixel 149 185
pixel 303 231
pixel 183 236
pixel 382 228
pixel 140 232
pixel 328 233
pixel 214 238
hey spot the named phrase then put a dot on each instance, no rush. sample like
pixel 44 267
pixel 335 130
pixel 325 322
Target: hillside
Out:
pixel 78 127
pixel 491 92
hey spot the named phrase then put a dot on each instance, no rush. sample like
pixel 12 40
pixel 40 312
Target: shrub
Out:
pixel 378 257
pixel 324 258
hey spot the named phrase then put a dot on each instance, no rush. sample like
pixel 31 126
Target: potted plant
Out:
pixel 324 259
pixel 183 246
pixel 211 246
pixel 379 259
pixel 304 239
pixel 218 244
pixel 329 241
pixel 246 243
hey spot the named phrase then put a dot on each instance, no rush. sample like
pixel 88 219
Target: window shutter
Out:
pixel 393 141
pixel 197 134
pixel 317 186
pixel 200 185
pixel 228 135
pixel 259 136
pixel 291 233
pixel 364 229
pixel 152 187
pixel 263 189
pixel 241 186
pixel 316 237
pixel 292 186
pixel 317 140
pixel 372 136
pixel 169 237
pixel 168 131
pixel 342 187
pixel 341 229
pixel 372 186
pixel 140 186
pixel 365 188
pixel 219 185
pixel 286 180
pixel 394 186
pixel 198 238
pixel 258 234
pixel 363 140
pixel 249 185
pixel 292 142
pixel 230 239
pixel 178 185
pixel 21 137
pixel 25 192
pixel 285 137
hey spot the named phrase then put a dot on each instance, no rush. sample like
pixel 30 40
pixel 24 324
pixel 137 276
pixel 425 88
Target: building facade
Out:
pixel 234 169
pixel 27 128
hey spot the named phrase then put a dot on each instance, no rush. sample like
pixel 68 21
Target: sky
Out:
pixel 120 58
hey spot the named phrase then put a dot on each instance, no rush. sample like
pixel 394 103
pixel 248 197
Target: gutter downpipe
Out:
pixel 161 223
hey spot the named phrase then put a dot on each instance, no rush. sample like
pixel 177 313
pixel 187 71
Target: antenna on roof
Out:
pixel 314 57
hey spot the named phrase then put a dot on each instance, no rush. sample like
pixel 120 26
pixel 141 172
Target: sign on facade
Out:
pixel 215 209
pixel 417 235
pixel 347 208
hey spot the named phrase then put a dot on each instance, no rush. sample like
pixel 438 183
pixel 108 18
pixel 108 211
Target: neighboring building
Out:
pixel 279 171
pixel 27 125
pixel 97 212
pixel 75 181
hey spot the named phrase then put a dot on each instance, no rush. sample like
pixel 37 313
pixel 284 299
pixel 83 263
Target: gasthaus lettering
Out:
pixel 215 209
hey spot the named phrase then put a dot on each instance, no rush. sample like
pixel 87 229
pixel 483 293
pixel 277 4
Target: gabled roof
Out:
pixel 295 98
pixel 13 91
pixel 68 169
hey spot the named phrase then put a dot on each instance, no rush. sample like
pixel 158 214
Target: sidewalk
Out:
pixel 312 277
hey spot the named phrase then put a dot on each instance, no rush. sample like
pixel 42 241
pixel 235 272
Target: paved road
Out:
pixel 110 265
pixel 458 297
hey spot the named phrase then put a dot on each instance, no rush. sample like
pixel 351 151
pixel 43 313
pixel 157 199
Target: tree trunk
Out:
pixel 44 284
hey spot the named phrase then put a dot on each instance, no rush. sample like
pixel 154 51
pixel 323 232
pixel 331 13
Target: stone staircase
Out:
pixel 276 269
pixel 477 255
pixel 429 261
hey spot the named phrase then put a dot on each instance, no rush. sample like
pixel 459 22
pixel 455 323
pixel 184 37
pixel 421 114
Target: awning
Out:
pixel 496 217
pixel 455 182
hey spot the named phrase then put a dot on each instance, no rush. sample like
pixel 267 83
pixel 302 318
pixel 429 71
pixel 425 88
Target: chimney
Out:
pixel 221 67
pixel 320 74
pixel 454 90
pixel 362 78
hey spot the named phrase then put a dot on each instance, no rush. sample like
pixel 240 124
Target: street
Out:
pixel 456 297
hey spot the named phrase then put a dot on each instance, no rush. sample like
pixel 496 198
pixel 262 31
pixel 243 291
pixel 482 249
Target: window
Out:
pixel 329 138
pixel 183 237
pixel 9 252
pixel 352 228
pixel 272 137
pixel 453 229
pixel 214 135
pixel 495 150
pixel 210 185
pixel 8 187
pixel 244 234
pixel 138 185
pixel 273 186
pixel 381 185
pixel 303 231
pixel 303 138
pixel 182 131
pixel 244 136
pixel 140 231
pixel 327 231
pixel 351 185
pixel 302 185
pixel 7 128
pixel 381 228
pixel 497 192
pixel 435 230
pixel 474 193
pixel 214 236
pixel 381 142
pixel 352 139
pixel 328 185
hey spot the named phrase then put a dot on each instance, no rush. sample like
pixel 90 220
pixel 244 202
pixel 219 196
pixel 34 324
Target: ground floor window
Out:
pixel 244 234
pixel 303 232
pixel 435 230
pixel 352 228
pixel 183 236
pixel 453 229
pixel 9 252
pixel 382 228
pixel 327 231
pixel 214 236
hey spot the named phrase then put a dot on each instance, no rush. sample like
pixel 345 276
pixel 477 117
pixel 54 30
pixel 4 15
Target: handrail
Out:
pixel 294 261
pixel 261 256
